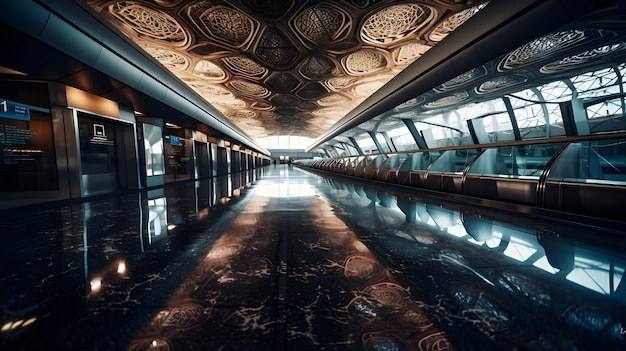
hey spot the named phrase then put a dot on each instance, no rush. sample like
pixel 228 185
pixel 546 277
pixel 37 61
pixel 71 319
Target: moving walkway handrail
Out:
pixel 551 152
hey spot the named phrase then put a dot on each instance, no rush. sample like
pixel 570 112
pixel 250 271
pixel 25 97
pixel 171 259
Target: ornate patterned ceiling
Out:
pixel 286 67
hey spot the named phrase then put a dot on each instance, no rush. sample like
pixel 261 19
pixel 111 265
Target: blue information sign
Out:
pixel 13 110
pixel 174 140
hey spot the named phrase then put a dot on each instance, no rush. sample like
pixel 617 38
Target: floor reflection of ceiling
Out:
pixel 285 67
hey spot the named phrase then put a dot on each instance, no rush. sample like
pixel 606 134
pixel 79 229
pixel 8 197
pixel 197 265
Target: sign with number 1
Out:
pixel 14 110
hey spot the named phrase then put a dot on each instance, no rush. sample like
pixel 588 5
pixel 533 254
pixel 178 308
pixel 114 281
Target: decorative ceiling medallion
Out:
pixel 304 116
pixel 455 98
pixel 148 22
pixel 286 111
pixel 322 23
pixel 395 23
pixel 334 99
pixel 307 106
pixel 367 89
pixel 408 53
pixel 285 100
pixel 230 103
pixel 341 82
pixel 249 88
pixel 499 83
pixel 262 105
pixel 209 70
pixel 312 91
pixel 461 79
pixel 282 82
pixel 214 91
pixel 451 23
pixel 224 25
pixel 364 61
pixel 409 104
pixel 270 9
pixel 583 59
pixel 316 67
pixel 245 67
pixel 168 58
pixel 268 116
pixel 275 49
pixel 542 48
pixel 244 114
pixel 331 111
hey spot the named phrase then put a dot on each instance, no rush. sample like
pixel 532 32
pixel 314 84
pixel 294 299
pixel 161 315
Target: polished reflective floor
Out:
pixel 284 259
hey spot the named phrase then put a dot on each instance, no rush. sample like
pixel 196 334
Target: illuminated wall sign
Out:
pixel 174 140
pixel 13 110
pixel 100 136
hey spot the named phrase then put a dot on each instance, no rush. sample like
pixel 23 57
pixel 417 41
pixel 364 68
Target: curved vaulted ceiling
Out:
pixel 286 67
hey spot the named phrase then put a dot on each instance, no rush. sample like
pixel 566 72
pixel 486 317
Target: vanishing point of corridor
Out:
pixel 283 259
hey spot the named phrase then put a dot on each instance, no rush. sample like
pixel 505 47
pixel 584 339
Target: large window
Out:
pixel 285 142
pixel 153 149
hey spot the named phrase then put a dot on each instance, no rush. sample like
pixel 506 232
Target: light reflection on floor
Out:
pixel 284 259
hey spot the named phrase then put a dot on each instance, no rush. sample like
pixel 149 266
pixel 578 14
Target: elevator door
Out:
pixel 107 155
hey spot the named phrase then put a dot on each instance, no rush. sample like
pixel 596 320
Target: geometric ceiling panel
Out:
pixel 340 83
pixel 276 49
pixel 408 104
pixel 331 111
pixel 223 24
pixel 364 61
pixel 395 23
pixel 311 91
pixel 334 99
pixel 168 58
pixel 216 92
pixel 248 88
pixel 233 104
pixel 462 79
pixel 409 52
pixel 262 105
pixel 541 48
pixel 367 89
pixel 287 67
pixel 286 111
pixel 451 23
pixel 147 21
pixel 583 58
pixel 209 70
pixel 307 106
pixel 245 67
pixel 322 23
pixel 453 99
pixel 499 83
pixel 282 82
pixel 244 114
pixel 316 67
pixel 285 100
pixel 269 9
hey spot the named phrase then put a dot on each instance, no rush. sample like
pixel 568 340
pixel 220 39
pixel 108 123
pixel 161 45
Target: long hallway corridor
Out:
pixel 284 259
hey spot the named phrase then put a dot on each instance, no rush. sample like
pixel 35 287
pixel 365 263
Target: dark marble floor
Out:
pixel 283 259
